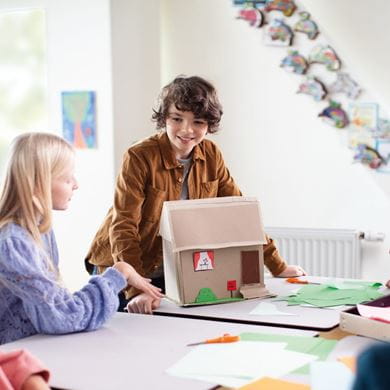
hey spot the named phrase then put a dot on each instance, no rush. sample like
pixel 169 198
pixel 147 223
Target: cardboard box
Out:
pixel 352 322
pixel 213 250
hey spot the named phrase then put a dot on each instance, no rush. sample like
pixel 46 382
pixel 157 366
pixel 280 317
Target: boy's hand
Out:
pixel 292 271
pixel 143 304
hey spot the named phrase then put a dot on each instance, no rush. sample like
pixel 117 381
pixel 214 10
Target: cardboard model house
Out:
pixel 213 250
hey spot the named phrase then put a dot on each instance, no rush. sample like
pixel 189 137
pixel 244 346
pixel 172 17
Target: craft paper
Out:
pixel 268 309
pixel 330 375
pixel 382 313
pixel 274 384
pixel 326 295
pixel 316 346
pixel 349 361
pixel 237 364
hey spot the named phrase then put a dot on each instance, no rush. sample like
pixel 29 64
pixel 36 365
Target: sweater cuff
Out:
pixel 116 279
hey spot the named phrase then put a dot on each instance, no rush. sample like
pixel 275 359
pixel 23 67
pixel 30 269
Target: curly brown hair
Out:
pixel 193 94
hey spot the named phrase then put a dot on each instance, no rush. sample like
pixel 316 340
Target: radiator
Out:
pixel 321 252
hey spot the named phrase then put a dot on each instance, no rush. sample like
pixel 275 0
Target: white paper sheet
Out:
pixel 239 363
pixel 330 375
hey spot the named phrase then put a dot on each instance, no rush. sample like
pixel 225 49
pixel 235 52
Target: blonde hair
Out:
pixel 35 159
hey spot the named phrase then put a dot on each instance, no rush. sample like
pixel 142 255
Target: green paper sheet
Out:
pixel 317 346
pixel 326 295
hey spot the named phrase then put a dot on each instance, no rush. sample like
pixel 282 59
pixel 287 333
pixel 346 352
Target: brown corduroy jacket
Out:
pixel 150 175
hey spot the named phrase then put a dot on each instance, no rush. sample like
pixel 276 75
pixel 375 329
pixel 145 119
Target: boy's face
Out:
pixel 184 131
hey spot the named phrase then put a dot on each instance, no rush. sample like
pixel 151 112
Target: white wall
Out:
pixel 272 140
pixel 79 58
pixel 135 42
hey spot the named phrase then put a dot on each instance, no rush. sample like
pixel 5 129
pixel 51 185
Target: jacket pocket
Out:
pixel 209 189
pixel 153 203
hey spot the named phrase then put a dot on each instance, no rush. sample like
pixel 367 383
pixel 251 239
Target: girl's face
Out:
pixel 62 188
pixel 184 131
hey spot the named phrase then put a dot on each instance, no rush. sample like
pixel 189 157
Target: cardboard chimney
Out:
pixel 213 250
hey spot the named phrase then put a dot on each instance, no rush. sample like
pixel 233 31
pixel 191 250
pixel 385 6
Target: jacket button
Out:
pixel 179 179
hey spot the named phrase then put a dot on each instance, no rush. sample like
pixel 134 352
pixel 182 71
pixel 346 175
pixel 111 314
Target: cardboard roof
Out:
pixel 212 223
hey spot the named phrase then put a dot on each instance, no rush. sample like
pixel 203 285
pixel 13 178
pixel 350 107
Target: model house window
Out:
pixel 203 261
pixel 23 101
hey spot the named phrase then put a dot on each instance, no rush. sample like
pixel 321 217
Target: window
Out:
pixel 23 100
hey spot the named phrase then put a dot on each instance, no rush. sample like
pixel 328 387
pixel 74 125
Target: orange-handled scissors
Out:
pixel 299 281
pixel 226 338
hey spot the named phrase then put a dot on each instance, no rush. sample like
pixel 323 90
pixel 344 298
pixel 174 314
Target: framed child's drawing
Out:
pixel 79 118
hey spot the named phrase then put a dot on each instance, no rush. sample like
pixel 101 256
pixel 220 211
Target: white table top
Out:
pixel 131 352
pixel 321 319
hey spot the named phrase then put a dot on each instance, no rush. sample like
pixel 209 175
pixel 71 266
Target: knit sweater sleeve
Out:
pixel 50 306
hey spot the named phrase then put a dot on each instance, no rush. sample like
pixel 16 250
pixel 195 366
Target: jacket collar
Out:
pixel 169 158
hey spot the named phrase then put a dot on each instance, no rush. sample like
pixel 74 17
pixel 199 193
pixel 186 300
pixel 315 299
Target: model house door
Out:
pixel 250 267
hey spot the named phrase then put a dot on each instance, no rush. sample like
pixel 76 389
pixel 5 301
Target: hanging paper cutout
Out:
pixel 306 26
pixel 383 129
pixel 345 84
pixel 251 3
pixel 286 6
pixel 334 115
pixel 313 87
pixel 324 54
pixel 203 261
pixel 369 156
pixel 294 63
pixel 278 33
pixel 252 15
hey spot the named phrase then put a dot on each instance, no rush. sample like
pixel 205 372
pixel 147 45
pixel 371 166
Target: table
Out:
pixel 131 352
pixel 320 319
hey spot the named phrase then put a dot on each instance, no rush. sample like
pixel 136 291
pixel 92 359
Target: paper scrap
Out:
pixel 349 361
pixel 330 375
pixel 274 384
pixel 237 364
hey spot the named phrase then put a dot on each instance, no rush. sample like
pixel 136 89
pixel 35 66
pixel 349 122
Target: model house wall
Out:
pixel 213 249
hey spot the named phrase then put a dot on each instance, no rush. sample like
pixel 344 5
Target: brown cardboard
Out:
pixel 207 243
pixel 352 322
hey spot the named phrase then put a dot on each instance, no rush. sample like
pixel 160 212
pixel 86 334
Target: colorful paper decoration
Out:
pixel 368 156
pixel 278 33
pixel 286 6
pixel 334 115
pixel 203 261
pixel 251 3
pixel 252 15
pixel 306 26
pixel 383 129
pixel 363 116
pixel 313 87
pixel 294 63
pixel 346 85
pixel 324 54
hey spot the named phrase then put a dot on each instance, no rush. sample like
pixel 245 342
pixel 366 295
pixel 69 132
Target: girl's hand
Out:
pixel 134 279
pixel 35 382
pixel 292 271
pixel 143 304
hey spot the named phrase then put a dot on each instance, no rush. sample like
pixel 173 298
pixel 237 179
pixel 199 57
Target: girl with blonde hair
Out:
pixel 39 178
